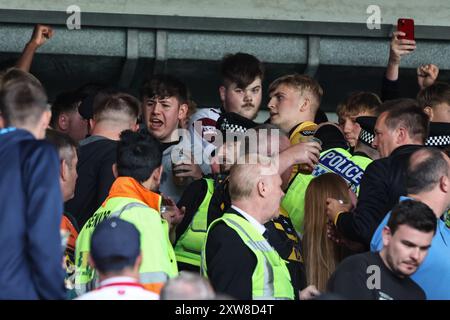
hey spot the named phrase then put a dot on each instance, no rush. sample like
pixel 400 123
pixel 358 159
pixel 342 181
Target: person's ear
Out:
pixel 386 235
pixel 114 170
pixel 137 263
pixel 134 127
pixel 429 111
pixel 64 171
pixel 261 188
pixel 182 111
pixel 157 174
pixel 91 261
pixel 45 119
pixel 63 122
pixel 222 91
pixel 444 183
pixel 401 135
pixel 305 104
pixel 43 123
pixel 91 124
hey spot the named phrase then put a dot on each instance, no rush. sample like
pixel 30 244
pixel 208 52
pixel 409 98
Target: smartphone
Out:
pixel 407 26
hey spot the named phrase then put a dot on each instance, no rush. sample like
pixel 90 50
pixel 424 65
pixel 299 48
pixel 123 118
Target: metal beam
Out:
pixel 313 56
pixel 160 52
pixel 132 57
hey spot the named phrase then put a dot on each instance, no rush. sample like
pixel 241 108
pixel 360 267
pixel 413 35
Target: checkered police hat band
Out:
pixel 438 141
pixel 366 137
pixel 231 127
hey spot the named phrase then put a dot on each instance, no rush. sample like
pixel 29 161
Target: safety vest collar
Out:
pixel 271 278
pixel 130 188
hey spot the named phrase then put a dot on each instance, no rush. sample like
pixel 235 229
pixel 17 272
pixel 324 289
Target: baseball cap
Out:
pixel 115 244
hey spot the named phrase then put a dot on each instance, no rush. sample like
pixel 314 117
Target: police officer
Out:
pixel 335 158
pixel 439 137
pixel 364 153
pixel 191 232
pixel 237 257
pixel 400 131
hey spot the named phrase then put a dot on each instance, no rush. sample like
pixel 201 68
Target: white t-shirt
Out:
pixel 119 288
pixel 206 118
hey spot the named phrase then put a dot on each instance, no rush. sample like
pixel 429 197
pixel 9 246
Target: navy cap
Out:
pixel 439 135
pixel 115 244
pixel 367 134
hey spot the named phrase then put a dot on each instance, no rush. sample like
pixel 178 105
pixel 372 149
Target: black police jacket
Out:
pixel 381 186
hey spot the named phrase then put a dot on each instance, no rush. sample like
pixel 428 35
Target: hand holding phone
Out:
pixel 406 26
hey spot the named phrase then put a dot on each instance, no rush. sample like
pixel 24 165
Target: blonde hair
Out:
pixel 301 82
pixel 321 254
pixel 246 172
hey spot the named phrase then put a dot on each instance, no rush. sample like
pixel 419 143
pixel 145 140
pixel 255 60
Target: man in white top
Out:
pixel 116 254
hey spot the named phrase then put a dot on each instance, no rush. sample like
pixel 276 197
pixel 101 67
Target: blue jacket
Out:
pixel 433 275
pixel 31 208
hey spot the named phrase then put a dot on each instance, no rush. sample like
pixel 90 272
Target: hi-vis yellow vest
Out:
pixel 271 278
pixel 336 160
pixel 189 246
pixel 158 257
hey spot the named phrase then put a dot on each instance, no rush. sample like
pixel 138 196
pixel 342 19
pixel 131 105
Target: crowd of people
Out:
pixel 104 195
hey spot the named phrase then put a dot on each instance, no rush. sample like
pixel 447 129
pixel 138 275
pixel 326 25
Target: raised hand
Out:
pixel 400 47
pixel 427 75
pixel 41 34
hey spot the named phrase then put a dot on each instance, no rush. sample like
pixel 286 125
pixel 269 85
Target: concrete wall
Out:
pixel 289 49
pixel 431 12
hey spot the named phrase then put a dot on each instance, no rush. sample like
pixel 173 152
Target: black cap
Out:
pixel 439 135
pixel 232 122
pixel 331 136
pixel 367 134
pixel 320 117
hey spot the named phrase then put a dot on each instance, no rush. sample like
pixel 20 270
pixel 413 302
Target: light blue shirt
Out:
pixel 433 275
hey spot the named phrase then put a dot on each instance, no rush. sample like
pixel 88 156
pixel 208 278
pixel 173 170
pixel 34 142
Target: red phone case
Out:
pixel 407 26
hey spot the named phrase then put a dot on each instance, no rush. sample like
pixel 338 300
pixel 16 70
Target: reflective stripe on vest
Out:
pixel 189 246
pixel 271 278
pixel 86 278
pixel 131 205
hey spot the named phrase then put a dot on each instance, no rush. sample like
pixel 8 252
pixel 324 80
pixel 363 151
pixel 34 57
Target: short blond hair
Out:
pixel 301 82
pixel 246 172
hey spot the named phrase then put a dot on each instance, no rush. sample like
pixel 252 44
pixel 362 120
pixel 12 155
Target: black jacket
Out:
pixel 95 177
pixel 381 186
pixel 230 262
